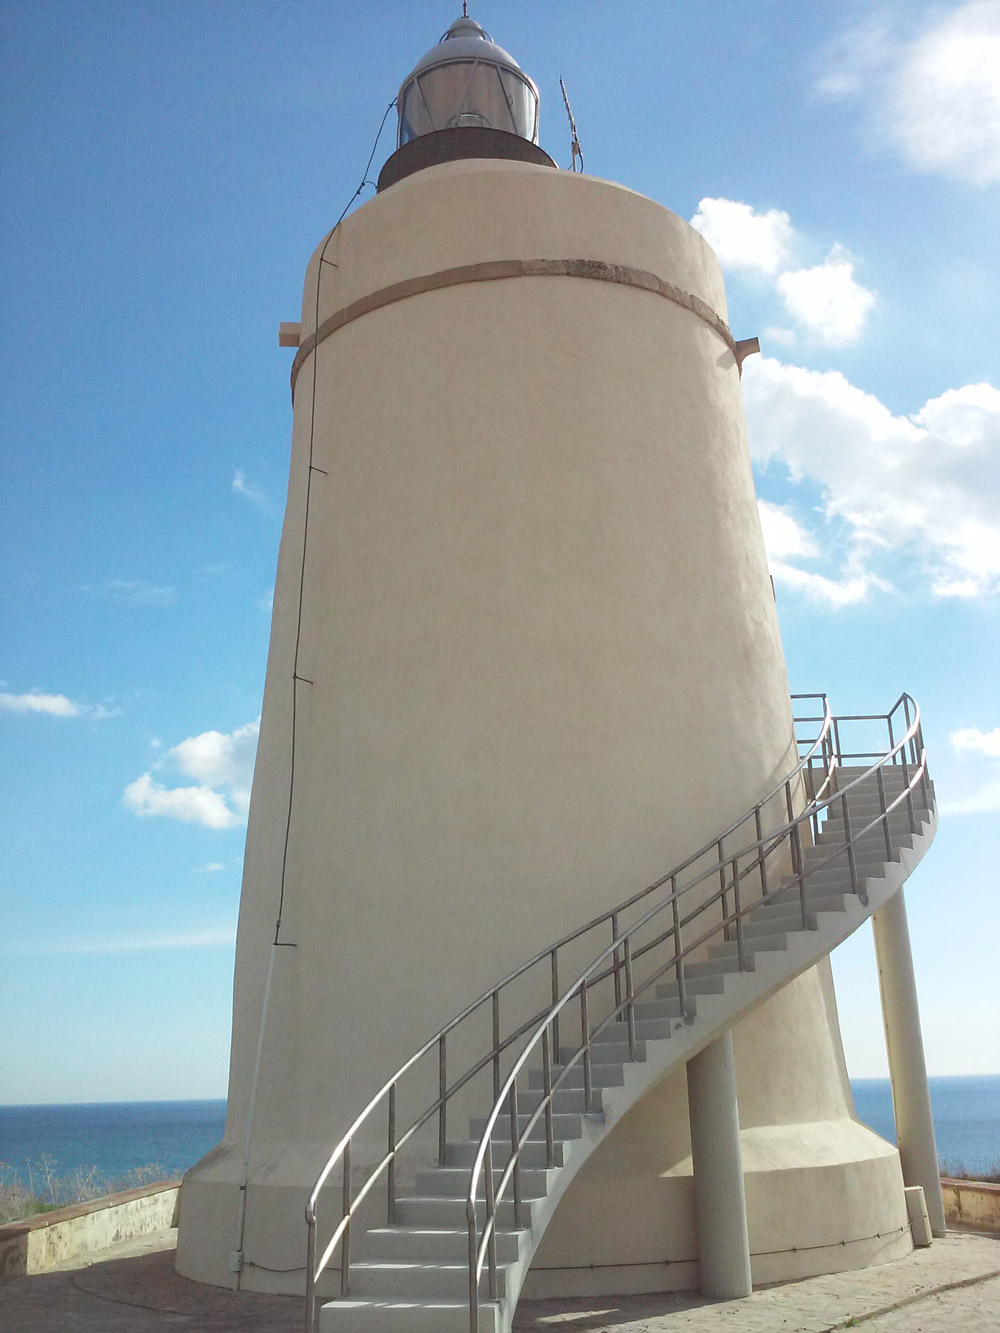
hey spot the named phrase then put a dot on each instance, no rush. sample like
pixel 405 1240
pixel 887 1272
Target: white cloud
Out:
pixel 855 58
pixel 984 800
pixel 783 534
pixel 210 868
pixel 204 939
pixel 55 705
pixel 250 492
pixel 221 760
pixel 191 805
pixel 819 588
pixel 785 537
pixel 984 747
pixel 141 593
pixel 138 592
pixel 776 334
pixel 827 300
pixel 222 766
pixel 971 738
pixel 743 238
pixel 927 486
pixel 933 96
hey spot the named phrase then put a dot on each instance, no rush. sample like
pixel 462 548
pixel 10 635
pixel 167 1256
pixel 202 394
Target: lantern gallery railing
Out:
pixel 642 941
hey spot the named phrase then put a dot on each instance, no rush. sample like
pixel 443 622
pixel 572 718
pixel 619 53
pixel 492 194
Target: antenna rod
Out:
pixel 576 149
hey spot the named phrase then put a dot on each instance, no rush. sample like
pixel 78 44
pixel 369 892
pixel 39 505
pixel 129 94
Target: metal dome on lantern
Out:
pixel 466 98
pixel 467 80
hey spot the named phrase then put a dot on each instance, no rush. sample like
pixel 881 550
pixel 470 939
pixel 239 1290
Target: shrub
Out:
pixel 46 1190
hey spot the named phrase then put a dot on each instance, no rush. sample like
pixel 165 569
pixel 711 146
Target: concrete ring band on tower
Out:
pixel 493 270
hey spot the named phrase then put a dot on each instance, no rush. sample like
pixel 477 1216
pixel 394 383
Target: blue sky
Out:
pixel 169 169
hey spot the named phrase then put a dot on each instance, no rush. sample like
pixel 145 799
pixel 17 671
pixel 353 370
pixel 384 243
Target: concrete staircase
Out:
pixel 414 1276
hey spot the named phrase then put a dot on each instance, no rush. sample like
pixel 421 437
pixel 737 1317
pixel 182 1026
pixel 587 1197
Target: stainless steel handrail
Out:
pixel 616 961
pixel 386 1095
pixel 483 1254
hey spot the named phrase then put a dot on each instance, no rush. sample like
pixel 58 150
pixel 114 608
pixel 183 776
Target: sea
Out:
pixel 115 1139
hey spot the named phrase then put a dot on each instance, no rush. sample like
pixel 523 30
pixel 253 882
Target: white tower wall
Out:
pixel 537 648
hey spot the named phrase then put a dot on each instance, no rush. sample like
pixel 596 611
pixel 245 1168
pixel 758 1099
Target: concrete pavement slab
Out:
pixel 954 1285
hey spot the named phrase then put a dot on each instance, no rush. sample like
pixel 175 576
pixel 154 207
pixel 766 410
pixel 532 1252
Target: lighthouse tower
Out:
pixel 524 659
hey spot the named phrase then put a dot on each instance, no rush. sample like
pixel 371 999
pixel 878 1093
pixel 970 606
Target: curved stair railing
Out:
pixel 777 860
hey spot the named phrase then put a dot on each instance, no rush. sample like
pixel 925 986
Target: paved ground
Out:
pixel 955 1285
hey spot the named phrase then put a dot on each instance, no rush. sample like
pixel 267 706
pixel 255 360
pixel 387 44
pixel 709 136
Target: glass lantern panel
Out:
pixel 466 93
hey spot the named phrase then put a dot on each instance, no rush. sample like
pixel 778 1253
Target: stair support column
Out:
pixel 720 1200
pixel 911 1098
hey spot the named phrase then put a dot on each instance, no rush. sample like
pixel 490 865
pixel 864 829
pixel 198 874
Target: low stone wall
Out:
pixel 38 1243
pixel 972 1205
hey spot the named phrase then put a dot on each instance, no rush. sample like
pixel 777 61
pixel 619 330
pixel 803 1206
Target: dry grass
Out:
pixel 47 1190
pixel 956 1171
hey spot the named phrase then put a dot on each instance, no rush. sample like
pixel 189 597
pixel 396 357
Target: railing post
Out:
pixel 310 1272
pixel 739 919
pixel 909 794
pixel 617 961
pixel 585 1030
pixel 491 1220
pixel 720 856
pixel 496 1047
pixel 678 947
pixel 473 1275
pixel 851 862
pixel 799 869
pixel 345 1240
pixel 515 1152
pixel 550 1147
pixel 442 1100
pixel 555 999
pixel 906 713
pixel 629 1001
pixel 759 827
pixel 924 792
pixel 390 1210
pixel 885 818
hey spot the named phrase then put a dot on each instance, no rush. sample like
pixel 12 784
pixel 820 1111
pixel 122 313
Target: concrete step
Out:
pixel 835 877
pixel 438 1245
pixel 400 1315
pixel 602 1075
pixel 420 1280
pixel 768 922
pixel 652 1010
pixel 871 808
pixel 435 1212
pixel 868 840
pixel 865 811
pixel 755 945
pixel 532 1154
pixel 612 1050
pixel 565 1101
pixel 657 1029
pixel 452 1182
pixel 869 850
pixel 667 990
pixel 787 902
pixel 563 1127
pixel 721 966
